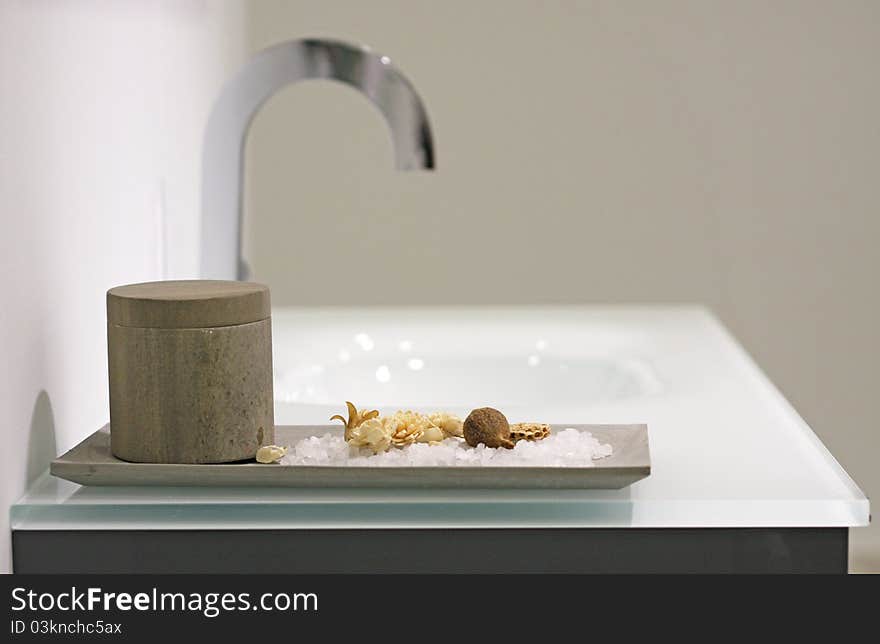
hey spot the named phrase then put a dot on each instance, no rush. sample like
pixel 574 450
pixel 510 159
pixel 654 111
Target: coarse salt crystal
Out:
pixel 567 448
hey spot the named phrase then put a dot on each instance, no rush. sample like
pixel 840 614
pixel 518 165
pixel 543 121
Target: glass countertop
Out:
pixel 727 449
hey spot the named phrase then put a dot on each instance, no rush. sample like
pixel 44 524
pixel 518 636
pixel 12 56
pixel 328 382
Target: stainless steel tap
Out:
pixel 268 72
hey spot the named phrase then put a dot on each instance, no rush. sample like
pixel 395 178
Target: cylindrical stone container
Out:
pixel 190 371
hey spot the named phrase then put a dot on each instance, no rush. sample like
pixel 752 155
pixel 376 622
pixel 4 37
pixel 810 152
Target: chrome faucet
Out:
pixel 240 99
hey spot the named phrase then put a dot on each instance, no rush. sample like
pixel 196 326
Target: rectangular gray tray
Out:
pixel 91 463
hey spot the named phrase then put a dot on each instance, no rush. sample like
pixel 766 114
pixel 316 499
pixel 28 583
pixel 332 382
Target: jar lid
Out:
pixel 187 304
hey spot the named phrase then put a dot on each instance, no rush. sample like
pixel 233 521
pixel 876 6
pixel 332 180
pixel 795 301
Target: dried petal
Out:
pixel 373 433
pixel 432 434
pixel 450 424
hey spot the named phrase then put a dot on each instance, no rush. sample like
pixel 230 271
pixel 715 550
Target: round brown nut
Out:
pixel 488 426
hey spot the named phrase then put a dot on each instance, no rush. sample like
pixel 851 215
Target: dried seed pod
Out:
pixel 488 426
pixel 529 431
pixel 270 453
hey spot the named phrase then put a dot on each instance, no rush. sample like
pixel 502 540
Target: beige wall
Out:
pixel 717 152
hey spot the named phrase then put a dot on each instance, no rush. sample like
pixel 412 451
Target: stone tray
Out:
pixel 91 463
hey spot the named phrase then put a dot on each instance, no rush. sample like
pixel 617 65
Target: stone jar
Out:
pixel 190 371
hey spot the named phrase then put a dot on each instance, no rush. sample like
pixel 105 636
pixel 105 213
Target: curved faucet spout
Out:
pixel 241 98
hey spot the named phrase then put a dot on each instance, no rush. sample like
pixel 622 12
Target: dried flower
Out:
pixel 449 423
pixel 355 418
pixel 367 429
pixel 374 433
pixel 407 427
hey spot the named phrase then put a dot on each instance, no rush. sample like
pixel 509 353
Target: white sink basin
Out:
pixel 727 449
pixel 431 359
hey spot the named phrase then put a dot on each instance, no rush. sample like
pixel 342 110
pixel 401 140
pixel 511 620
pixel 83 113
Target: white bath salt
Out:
pixel 567 448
